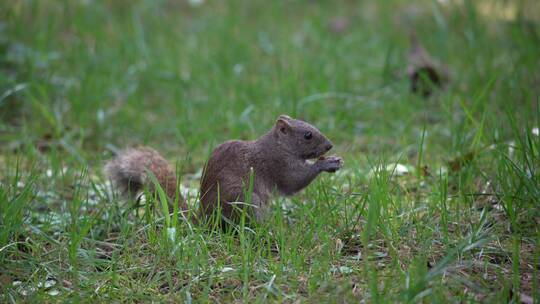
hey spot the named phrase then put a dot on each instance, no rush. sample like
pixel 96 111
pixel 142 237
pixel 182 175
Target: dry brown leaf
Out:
pixel 423 71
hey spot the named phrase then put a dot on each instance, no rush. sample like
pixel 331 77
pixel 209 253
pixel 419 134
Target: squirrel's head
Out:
pixel 300 138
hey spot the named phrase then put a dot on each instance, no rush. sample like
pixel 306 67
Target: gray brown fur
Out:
pixel 278 159
pixel 128 172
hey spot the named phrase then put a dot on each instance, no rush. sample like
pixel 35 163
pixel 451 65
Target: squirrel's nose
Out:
pixel 328 147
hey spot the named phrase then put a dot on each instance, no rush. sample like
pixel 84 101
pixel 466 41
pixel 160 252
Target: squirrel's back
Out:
pixel 225 169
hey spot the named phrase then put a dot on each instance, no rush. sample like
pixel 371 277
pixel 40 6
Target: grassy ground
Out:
pixel 438 200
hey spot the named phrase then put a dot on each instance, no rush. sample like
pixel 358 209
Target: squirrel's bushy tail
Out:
pixel 128 172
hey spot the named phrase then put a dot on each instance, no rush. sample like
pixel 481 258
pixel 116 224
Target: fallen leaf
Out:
pixel 461 161
pixel 424 72
pixel 424 170
pixel 226 269
pixel 339 25
pixel 394 169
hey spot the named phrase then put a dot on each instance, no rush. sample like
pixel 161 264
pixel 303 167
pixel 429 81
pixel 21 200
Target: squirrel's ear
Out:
pixel 282 124
pixel 285 117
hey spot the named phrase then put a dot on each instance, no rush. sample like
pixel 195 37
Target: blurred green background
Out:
pixel 456 221
pixel 182 76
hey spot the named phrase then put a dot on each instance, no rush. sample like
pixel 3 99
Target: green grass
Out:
pixel 79 79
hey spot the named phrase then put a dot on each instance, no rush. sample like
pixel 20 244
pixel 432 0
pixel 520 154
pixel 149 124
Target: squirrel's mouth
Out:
pixel 319 152
pixel 313 155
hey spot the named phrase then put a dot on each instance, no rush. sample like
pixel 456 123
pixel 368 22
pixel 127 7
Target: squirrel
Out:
pixel 276 162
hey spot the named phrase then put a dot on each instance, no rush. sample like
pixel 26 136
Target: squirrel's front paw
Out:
pixel 330 163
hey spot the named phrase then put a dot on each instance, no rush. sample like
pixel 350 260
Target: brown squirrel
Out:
pixel 279 164
pixel 275 162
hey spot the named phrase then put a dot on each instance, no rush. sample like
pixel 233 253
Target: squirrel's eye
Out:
pixel 308 135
